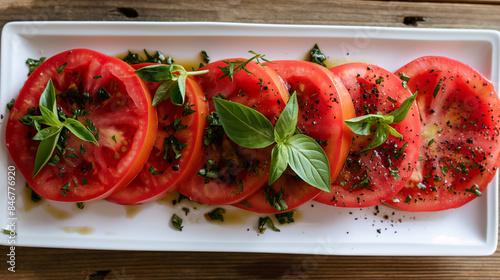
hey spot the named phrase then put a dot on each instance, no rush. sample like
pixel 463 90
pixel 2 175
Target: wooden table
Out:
pixel 40 263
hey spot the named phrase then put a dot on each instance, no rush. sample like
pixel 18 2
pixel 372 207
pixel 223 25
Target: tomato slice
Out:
pixel 124 121
pixel 374 176
pixel 460 124
pixel 227 172
pixel 177 149
pixel 323 104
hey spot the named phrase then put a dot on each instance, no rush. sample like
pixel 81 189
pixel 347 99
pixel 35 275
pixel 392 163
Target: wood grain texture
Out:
pixel 54 264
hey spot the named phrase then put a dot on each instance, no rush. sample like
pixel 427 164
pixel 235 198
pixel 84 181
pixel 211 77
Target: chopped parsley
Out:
pixel 263 222
pixel 177 222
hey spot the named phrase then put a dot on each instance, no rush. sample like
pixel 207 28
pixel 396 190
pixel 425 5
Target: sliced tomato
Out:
pixel 460 124
pixel 372 177
pixel 119 109
pixel 177 149
pixel 323 104
pixel 229 173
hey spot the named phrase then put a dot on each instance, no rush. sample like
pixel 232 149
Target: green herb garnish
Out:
pixel 251 129
pixel 49 135
pixel 216 214
pixel 176 222
pixel 316 56
pixel 236 66
pixel 380 124
pixel 174 78
pixel 266 221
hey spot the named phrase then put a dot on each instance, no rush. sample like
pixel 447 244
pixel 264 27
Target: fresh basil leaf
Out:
pixel 163 92
pixel 361 128
pixel 379 138
pixel 48 117
pixel 287 122
pixel 179 91
pixel 393 131
pixel 44 152
pixel 279 162
pixel 401 112
pixel 245 126
pixel 48 98
pixel 78 129
pixel 362 125
pixel 47 132
pixel 308 160
pixel 155 73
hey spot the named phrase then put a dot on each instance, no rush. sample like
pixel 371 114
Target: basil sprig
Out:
pixel 174 77
pixel 379 124
pixel 50 134
pixel 250 129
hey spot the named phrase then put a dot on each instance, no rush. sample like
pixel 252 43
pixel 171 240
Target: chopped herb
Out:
pixel 11 104
pixel 266 221
pixel 285 218
pixel 436 90
pixel 97 77
pixel 205 56
pixel 82 149
pixel 171 143
pixel 33 64
pixel 430 142
pixel 102 94
pixel 395 173
pixel 275 199
pixel 186 210
pixel 209 172
pixel 187 109
pixel 80 205
pixel 176 126
pixel 475 190
pixel 379 80
pixel 153 171
pixel 444 169
pixel 177 222
pixel 364 183
pixel 316 56
pixel 245 203
pixel 60 69
pixel 391 99
pixel 114 138
pixel 65 189
pixel 216 214
pixel 84 182
pixel 421 186
pixel 408 199
pixel 158 57
pixel 405 79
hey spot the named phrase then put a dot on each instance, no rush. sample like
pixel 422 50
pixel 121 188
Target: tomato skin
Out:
pixel 370 93
pixel 127 115
pixel 323 104
pixel 147 187
pixel 240 171
pixel 460 129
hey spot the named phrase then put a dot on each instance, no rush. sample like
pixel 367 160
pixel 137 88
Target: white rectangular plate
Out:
pixel 319 229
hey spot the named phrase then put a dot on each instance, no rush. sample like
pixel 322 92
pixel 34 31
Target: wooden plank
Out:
pixel 54 264
pixel 373 13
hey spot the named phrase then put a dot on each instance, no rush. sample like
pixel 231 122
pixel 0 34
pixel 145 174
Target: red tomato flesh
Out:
pixel 460 124
pixel 124 122
pixel 323 105
pixel 179 128
pixel 374 176
pixel 236 172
